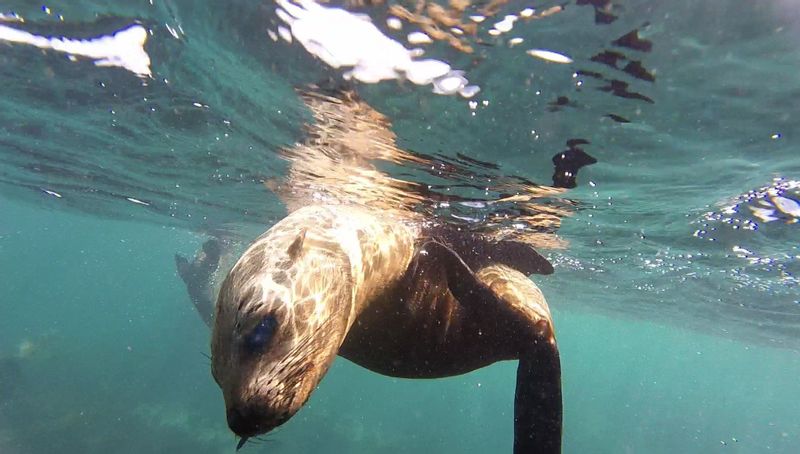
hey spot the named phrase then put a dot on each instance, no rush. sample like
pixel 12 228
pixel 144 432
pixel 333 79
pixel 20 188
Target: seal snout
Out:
pixel 251 420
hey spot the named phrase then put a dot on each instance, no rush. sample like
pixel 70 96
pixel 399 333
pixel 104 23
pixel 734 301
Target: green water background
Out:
pixel 116 366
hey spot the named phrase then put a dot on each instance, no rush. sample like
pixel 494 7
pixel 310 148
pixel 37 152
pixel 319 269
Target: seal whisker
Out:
pixel 208 357
pixel 241 443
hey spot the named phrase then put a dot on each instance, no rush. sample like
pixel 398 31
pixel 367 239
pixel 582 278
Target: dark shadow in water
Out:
pixel 568 162
pixel 609 58
pixel 602 10
pixel 620 88
pixel 631 40
pixel 618 118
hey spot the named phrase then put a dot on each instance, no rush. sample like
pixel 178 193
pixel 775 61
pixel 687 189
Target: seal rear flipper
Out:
pixel 461 280
pixel 465 284
pixel 537 401
pixel 183 267
pixel 478 252
pixel 196 275
pixel 521 257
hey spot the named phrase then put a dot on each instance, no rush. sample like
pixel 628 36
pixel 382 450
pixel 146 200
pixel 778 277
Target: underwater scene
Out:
pixel 458 197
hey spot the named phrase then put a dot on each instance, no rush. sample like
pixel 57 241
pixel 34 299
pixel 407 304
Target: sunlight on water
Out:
pixel 124 48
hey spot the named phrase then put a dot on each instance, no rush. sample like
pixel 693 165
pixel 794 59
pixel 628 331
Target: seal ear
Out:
pixel 297 245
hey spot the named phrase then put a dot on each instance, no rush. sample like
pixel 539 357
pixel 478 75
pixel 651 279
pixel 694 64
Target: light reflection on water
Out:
pixel 123 48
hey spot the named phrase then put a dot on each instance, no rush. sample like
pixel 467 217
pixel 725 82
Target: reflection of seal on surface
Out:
pixel 388 296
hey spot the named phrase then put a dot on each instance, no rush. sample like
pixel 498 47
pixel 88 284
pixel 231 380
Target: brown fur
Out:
pixel 342 280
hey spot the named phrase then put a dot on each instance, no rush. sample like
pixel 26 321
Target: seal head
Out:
pixel 267 353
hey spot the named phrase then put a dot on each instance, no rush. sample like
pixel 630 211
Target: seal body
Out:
pixel 423 330
pixel 388 294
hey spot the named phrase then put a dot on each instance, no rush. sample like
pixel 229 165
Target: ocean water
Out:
pixel 676 300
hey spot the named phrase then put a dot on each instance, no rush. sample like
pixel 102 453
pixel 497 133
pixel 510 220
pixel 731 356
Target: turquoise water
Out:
pixel 678 321
pixel 117 366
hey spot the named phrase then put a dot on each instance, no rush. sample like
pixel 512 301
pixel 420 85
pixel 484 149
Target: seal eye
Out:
pixel 259 336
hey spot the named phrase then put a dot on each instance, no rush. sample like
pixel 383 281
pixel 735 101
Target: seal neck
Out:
pixel 378 249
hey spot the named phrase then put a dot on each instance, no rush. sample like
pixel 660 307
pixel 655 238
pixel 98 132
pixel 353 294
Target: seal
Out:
pixel 399 301
pixel 358 269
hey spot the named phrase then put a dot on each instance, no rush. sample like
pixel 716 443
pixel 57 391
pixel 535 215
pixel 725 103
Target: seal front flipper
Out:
pixel 509 297
pixel 537 400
